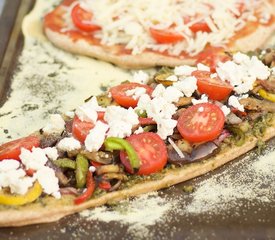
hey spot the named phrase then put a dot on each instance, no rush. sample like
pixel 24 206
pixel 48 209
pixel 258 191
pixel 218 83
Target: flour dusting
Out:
pixel 138 214
pixel 227 190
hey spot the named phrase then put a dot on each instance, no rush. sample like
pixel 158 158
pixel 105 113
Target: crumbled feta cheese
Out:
pixel 70 114
pixel 49 182
pixel 234 102
pixel 170 94
pixel 161 111
pixel 8 164
pixel 139 130
pixel 96 136
pixel 203 99
pixel 34 159
pixel 202 67
pixel 88 111
pixel 55 125
pixel 141 77
pixel 120 120
pixel 184 70
pixel 135 93
pixel 92 169
pixel 242 72
pixel 172 78
pixel 69 144
pixel 225 110
pixel 51 153
pixel 14 177
pixel 187 86
pixel 240 58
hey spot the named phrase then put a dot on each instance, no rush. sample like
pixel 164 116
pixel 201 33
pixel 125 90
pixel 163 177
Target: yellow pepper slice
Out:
pixel 266 95
pixel 16 200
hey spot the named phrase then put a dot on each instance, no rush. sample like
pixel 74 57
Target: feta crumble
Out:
pixel 135 93
pixel 88 111
pixel 121 120
pixel 161 111
pixel 226 110
pixel 49 182
pixel 170 94
pixel 187 86
pixel 69 144
pixel 56 125
pixel 203 99
pixel 14 177
pixel 51 153
pixel 96 136
pixel 184 70
pixel 141 77
pixel 34 159
pixel 242 72
pixel 234 102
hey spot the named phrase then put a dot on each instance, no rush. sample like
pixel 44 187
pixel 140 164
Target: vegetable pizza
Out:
pixel 139 136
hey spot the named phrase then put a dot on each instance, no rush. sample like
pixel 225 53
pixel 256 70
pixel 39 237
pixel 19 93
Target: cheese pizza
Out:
pixel 140 34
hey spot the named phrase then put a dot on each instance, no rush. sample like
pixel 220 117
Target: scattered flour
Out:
pixel 138 214
pixel 226 190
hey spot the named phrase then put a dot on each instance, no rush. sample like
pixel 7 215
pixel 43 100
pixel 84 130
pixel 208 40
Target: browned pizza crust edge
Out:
pixel 56 209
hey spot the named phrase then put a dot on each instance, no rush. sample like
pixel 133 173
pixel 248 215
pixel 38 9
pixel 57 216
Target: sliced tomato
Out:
pixel 12 150
pixel 100 116
pixel 105 185
pixel 146 121
pixel 201 122
pixel 151 150
pixel 211 56
pixel 165 35
pixel 200 27
pixel 83 19
pixel 215 88
pixel 119 93
pixel 81 129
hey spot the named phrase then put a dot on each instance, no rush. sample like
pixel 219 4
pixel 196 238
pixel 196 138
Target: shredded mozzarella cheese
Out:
pixel 129 22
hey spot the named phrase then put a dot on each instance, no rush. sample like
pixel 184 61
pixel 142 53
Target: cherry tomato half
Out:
pixel 83 19
pixel 151 150
pixel 215 88
pixel 200 26
pixel 119 93
pixel 81 129
pixel 12 150
pixel 201 122
pixel 211 56
pixel 165 35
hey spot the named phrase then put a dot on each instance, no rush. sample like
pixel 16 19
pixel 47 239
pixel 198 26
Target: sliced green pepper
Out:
pixel 114 143
pixel 17 200
pixel 266 95
pixel 82 167
pixel 65 163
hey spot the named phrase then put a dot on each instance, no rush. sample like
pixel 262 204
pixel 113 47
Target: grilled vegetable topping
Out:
pixel 17 200
pixel 82 167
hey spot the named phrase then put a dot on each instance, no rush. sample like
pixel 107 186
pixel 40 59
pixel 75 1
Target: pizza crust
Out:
pixel 148 59
pixel 113 54
pixel 57 209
